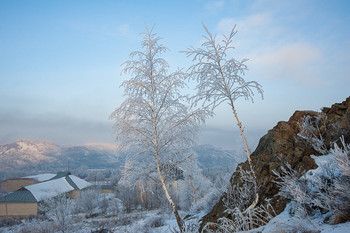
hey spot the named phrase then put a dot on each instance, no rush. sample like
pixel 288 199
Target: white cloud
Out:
pixel 297 62
pixel 125 30
pixel 272 52
pixel 214 6
pixel 255 32
pixel 248 25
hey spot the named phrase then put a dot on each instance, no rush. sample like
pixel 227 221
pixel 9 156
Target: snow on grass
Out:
pixel 284 222
pixel 152 221
pixel 160 221
pixel 323 162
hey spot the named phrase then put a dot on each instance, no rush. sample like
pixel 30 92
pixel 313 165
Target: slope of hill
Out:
pixel 28 157
pixel 282 145
pixel 216 158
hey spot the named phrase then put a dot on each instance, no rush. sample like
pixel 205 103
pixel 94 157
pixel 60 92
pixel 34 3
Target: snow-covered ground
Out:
pixel 115 219
pixel 284 222
pixel 155 221
pixel 162 221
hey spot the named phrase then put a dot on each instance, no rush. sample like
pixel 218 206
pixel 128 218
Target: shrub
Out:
pixel 327 188
pixel 154 222
pixel 241 216
pixel 9 222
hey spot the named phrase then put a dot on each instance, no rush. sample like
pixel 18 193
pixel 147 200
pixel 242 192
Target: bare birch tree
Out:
pixel 220 79
pixel 154 119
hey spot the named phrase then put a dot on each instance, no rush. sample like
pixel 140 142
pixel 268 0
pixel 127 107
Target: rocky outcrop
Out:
pixel 282 145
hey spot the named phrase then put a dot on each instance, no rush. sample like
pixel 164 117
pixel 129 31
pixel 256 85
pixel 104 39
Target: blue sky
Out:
pixel 60 61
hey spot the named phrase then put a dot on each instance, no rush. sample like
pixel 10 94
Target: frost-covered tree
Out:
pixel 60 207
pixel 194 186
pixel 220 79
pixel 154 120
pixel 88 200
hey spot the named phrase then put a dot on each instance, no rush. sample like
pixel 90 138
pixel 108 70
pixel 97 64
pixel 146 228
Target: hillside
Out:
pixel 282 145
pixel 27 157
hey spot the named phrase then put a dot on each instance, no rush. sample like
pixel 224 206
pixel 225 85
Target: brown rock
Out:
pixel 282 145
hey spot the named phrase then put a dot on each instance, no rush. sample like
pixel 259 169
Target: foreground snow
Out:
pixel 284 222
pixel 160 221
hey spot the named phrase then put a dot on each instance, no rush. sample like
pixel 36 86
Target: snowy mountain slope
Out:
pixel 21 153
pixel 28 156
pixel 217 158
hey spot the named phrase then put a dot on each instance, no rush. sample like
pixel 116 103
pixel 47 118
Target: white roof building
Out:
pixel 61 183
pixel 41 177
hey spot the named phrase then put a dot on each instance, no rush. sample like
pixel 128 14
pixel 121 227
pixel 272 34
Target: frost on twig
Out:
pixel 312 130
pixel 237 201
pixel 318 131
pixel 221 79
pixel 154 120
pixel 326 188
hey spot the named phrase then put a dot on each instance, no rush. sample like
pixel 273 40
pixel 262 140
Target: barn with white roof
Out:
pixel 24 201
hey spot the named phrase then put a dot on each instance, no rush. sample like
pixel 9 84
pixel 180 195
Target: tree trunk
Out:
pixel 243 137
pixel 255 202
pixel 173 206
pixel 193 190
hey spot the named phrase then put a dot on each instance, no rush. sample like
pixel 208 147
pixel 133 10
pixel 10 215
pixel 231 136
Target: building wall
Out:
pixel 74 193
pixel 12 185
pixel 21 210
pixel 106 190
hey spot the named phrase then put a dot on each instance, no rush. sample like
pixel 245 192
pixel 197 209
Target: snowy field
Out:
pixel 159 221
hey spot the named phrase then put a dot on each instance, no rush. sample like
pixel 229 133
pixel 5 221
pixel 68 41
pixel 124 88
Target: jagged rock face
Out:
pixel 281 145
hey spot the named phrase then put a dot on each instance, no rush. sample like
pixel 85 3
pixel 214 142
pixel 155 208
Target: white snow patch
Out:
pixel 339 228
pixel 80 182
pixel 49 189
pixel 284 222
pixel 322 161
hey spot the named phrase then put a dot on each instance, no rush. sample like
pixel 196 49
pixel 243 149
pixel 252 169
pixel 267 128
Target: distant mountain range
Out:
pixel 28 157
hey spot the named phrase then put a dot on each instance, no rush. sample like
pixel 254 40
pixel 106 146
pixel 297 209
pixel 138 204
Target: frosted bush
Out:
pixel 326 188
pixel 153 222
pixel 311 131
pixel 207 202
pixel 242 220
pixel 38 227
pixel 240 215
pixel 88 200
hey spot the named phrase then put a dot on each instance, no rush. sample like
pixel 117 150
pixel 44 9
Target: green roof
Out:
pixel 66 176
pixel 21 195
pixel 24 195
pixel 70 181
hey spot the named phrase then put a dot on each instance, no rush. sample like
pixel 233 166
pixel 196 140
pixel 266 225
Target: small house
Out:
pixel 11 185
pixel 24 201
